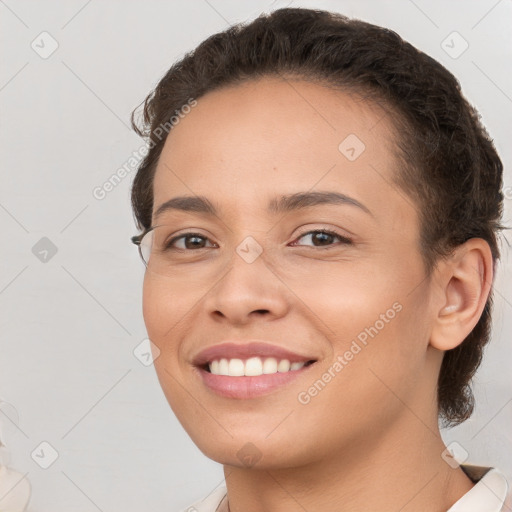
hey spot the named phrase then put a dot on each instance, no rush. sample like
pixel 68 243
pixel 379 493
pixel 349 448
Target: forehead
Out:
pixel 291 108
pixel 260 137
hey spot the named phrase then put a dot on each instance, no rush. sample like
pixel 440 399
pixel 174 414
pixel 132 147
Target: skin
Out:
pixel 375 423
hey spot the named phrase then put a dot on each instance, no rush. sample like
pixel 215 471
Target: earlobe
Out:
pixel 465 280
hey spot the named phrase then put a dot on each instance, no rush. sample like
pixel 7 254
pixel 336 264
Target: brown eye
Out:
pixel 191 241
pixel 324 238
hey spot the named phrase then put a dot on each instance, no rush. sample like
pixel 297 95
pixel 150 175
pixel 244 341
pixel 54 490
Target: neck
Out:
pixel 401 469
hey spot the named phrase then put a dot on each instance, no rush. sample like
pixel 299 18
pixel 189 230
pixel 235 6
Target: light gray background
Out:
pixel 70 325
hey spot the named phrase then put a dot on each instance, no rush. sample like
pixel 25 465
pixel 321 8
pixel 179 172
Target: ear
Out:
pixel 464 282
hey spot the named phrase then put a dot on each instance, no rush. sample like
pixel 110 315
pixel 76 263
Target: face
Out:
pixel 337 281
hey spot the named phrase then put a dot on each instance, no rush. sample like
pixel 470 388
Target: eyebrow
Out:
pixel 282 204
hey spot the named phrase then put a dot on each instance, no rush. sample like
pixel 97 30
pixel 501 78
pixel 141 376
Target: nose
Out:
pixel 247 291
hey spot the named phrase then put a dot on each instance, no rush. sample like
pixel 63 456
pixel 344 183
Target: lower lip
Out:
pixel 249 387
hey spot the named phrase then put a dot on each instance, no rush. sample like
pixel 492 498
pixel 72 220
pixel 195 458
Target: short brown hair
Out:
pixel 448 163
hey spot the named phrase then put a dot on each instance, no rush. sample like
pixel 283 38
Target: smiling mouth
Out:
pixel 253 366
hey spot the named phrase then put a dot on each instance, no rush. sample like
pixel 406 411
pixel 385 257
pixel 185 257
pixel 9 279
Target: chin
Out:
pixel 241 452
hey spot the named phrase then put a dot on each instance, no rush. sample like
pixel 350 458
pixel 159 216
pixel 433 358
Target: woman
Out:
pixel 319 208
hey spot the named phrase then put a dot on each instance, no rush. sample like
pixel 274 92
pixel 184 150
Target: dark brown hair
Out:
pixel 448 164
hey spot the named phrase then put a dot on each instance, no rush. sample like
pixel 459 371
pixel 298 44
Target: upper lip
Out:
pixel 232 350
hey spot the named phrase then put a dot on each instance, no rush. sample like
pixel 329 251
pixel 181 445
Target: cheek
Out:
pixel 165 305
pixel 372 318
pixel 154 308
pixel 374 368
pixel 163 311
pixel 345 296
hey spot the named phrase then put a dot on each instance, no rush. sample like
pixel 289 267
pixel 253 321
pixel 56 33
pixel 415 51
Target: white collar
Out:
pixel 488 493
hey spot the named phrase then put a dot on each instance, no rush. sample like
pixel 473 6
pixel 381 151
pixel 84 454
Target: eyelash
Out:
pixel 344 240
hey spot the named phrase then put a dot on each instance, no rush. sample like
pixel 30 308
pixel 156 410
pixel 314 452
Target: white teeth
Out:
pixel 236 367
pixel 223 367
pixel 270 365
pixel 283 366
pixel 254 366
